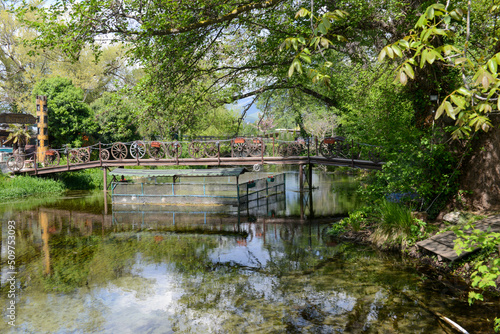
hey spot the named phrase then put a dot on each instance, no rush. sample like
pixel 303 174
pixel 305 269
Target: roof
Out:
pixel 179 172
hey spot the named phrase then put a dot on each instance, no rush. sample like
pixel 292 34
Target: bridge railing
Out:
pixel 240 147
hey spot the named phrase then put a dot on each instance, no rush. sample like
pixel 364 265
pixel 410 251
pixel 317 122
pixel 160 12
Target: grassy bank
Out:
pixel 21 186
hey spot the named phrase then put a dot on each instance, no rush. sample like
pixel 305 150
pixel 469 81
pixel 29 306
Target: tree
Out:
pixel 70 119
pixel 232 46
pixel 19 135
pixel 443 38
pixel 21 67
pixel 116 115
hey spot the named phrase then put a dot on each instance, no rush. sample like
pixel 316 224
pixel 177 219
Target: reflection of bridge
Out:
pixel 238 151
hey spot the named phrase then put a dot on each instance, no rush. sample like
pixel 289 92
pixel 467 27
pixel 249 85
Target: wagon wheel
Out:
pixel 240 148
pixel 15 163
pixel 340 149
pixel 84 155
pixel 294 149
pixel 196 150
pixel 174 149
pixel 157 150
pixel 104 155
pixel 119 151
pixel 73 156
pixel 327 147
pixel 254 147
pixel 51 158
pixel 283 149
pixel 211 149
pixel 137 148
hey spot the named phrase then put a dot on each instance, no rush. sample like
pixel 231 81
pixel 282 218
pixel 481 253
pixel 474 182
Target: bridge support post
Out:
pixel 105 179
pixel 301 178
pixel 311 207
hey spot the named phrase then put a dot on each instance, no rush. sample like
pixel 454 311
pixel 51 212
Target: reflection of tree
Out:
pixel 78 261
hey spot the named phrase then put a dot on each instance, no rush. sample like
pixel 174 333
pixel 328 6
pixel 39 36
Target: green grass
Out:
pixel 395 218
pixel 21 186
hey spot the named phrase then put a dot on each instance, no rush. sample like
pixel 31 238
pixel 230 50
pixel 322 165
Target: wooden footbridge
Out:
pixel 334 151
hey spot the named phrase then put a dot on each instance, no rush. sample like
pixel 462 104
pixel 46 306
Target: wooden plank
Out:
pixel 443 244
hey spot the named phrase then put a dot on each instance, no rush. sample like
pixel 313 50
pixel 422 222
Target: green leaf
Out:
pixel 431 56
pixel 290 70
pixel 438 31
pixel 423 58
pixel 455 15
pixel 302 12
pixel 306 58
pixel 403 78
pixel 422 21
pixel 492 65
pixel 426 33
pixel 464 91
pixel 430 13
pixel 390 53
pixel 409 70
pixel 326 22
pixel 324 42
pixel 458 100
pixel 322 29
pixel 439 111
pixel 381 55
pixel 298 66
pixel 450 111
pixel 404 43
pixel 397 50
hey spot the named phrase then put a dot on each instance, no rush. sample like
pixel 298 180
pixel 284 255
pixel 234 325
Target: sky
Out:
pixel 252 112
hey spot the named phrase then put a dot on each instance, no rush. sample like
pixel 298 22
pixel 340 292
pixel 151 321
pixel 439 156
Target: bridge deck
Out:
pixel 294 160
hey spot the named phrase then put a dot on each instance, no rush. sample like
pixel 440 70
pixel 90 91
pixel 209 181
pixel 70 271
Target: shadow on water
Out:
pixel 188 269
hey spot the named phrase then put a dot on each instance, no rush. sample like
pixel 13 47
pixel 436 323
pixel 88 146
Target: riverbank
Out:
pixel 475 277
pixel 14 187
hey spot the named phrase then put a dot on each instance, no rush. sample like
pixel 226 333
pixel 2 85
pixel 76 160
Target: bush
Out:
pixel 88 179
pixel 420 174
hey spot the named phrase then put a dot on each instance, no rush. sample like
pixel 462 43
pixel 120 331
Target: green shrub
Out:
pixel 423 174
pixel 88 179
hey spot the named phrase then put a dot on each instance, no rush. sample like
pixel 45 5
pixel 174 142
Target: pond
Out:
pixel 194 270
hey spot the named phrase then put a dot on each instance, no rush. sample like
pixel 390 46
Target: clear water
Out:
pixel 178 270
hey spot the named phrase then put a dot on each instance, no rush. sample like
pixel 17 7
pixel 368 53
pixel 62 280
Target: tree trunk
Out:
pixel 481 171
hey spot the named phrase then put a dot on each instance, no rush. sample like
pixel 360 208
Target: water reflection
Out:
pixel 193 271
